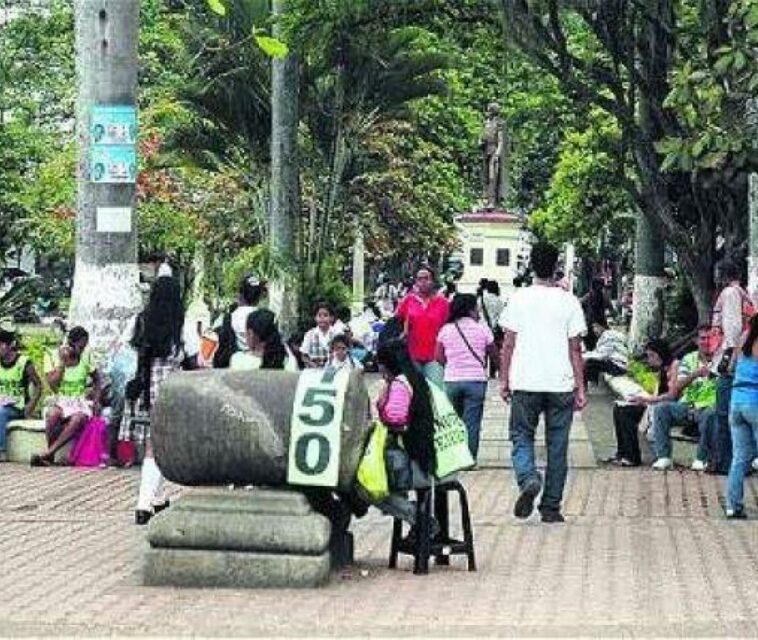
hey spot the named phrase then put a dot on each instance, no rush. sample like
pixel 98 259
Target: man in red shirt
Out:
pixel 423 312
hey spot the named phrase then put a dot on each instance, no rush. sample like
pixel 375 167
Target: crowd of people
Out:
pixel 536 342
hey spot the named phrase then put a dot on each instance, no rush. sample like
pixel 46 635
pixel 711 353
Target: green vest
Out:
pixel 12 381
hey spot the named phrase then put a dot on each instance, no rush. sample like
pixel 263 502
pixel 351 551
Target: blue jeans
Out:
pixel 8 413
pixel 526 408
pixel 467 397
pixel 668 414
pixel 744 426
pixel 432 371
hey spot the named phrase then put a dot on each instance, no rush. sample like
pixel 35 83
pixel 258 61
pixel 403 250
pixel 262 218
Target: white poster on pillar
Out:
pixel 114 220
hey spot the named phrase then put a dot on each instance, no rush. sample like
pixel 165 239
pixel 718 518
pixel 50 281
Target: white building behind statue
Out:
pixel 494 245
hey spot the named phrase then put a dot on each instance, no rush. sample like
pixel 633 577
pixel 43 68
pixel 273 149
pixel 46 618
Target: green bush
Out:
pixel 643 376
pixel 35 342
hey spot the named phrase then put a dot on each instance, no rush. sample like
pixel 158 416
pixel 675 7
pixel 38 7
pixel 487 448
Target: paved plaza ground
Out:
pixel 641 554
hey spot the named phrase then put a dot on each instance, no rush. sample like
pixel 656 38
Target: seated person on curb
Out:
pixel 405 407
pixel 16 374
pixel 628 412
pixel 696 390
pixel 74 378
pixel 610 354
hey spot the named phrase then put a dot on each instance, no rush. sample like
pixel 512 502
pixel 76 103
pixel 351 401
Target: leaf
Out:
pixel 217 6
pixel 722 64
pixel 713 160
pixel 272 47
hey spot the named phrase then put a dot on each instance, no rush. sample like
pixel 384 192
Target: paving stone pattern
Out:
pixel 642 553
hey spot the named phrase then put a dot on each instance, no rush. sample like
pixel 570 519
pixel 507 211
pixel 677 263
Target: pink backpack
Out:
pixel 91 448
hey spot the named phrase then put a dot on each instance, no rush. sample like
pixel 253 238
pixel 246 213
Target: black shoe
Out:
pixel 552 515
pixel 157 508
pixel 525 502
pixel 142 517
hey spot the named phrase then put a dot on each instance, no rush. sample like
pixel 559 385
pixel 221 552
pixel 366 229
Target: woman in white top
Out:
pixel 265 349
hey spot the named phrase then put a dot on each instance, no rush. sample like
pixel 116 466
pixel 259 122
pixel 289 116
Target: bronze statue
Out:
pixel 493 144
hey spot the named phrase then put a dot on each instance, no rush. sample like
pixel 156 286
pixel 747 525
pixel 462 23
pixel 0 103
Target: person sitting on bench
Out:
pixel 696 390
pixel 610 354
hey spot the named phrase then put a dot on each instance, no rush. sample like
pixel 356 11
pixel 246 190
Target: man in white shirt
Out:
pixel 542 373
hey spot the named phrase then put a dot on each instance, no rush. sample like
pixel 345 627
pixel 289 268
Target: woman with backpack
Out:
pixel 160 354
pixel 463 346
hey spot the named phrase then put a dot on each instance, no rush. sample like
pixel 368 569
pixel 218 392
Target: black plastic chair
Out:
pixel 442 546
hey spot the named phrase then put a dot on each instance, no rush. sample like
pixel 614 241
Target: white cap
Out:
pixel 164 271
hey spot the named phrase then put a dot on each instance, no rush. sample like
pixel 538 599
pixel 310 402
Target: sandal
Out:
pixel 40 461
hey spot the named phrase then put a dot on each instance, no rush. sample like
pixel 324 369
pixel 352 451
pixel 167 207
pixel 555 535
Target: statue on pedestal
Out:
pixel 493 144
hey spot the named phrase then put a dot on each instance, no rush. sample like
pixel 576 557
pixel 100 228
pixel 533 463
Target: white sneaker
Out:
pixel 661 464
pixel 698 465
pixel 754 464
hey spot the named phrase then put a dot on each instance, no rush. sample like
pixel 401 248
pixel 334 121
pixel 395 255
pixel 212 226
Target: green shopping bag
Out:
pixel 372 472
pixel 450 436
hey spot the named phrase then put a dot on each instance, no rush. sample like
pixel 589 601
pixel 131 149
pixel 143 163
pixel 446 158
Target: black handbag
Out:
pixel 398 466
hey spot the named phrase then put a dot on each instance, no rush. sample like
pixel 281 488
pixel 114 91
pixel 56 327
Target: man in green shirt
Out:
pixel 17 374
pixel 696 391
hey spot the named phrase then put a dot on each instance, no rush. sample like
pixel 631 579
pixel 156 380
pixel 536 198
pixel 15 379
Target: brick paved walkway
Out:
pixel 642 553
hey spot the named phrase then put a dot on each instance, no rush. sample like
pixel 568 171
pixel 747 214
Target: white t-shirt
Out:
pixel 544 319
pixel 239 324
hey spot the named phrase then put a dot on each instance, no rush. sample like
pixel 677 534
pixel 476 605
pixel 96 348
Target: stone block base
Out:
pixel 232 569
pixel 27 437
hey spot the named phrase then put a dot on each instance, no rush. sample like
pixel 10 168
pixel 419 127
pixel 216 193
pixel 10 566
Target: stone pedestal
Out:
pixel 239 539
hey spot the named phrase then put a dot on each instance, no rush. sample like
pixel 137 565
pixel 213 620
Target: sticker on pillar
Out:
pixel 315 437
pixel 114 220
pixel 113 164
pixel 113 124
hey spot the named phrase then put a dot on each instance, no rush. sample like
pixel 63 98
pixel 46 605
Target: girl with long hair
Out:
pixel 743 420
pixel 405 407
pixel 265 348
pixel 159 344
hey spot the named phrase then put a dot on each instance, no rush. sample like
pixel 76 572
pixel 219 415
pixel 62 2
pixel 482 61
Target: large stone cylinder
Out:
pixel 220 427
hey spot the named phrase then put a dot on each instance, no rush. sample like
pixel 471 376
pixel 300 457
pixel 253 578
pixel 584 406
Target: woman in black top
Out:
pixel 628 413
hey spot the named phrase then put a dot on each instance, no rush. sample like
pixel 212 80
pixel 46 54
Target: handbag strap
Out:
pixel 468 344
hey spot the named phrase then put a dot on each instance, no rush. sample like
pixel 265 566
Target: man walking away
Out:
pixel 542 373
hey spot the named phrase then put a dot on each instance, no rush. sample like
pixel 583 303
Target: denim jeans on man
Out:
pixel 8 413
pixel 558 408
pixel 668 414
pixel 467 397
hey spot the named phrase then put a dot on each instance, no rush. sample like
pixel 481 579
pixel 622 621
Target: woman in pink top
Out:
pixel 463 345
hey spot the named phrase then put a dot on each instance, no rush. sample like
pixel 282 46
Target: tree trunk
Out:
pixel 285 197
pixel 752 259
pixel 647 305
pixel 106 277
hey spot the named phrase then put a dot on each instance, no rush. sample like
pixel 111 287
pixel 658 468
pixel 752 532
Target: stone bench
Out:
pixel 27 437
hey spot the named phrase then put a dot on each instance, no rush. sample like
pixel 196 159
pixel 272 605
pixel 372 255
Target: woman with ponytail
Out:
pixel 266 348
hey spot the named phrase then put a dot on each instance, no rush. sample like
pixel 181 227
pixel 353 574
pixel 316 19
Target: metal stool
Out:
pixel 422 547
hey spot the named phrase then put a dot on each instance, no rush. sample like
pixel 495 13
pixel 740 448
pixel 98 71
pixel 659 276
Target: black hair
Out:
pixel 419 438
pixel 752 336
pixel 462 306
pixel 77 334
pixel 323 305
pixel 544 258
pixel 730 271
pixel 340 339
pixel 7 337
pixel 262 323
pixel 163 319
pixel 662 348
pixel 251 291
pixel 425 267
pixel 343 313
pixel 492 287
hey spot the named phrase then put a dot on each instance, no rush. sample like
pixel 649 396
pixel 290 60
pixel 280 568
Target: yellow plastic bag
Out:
pixel 372 473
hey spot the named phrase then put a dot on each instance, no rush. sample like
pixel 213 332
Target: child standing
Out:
pixel 316 344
